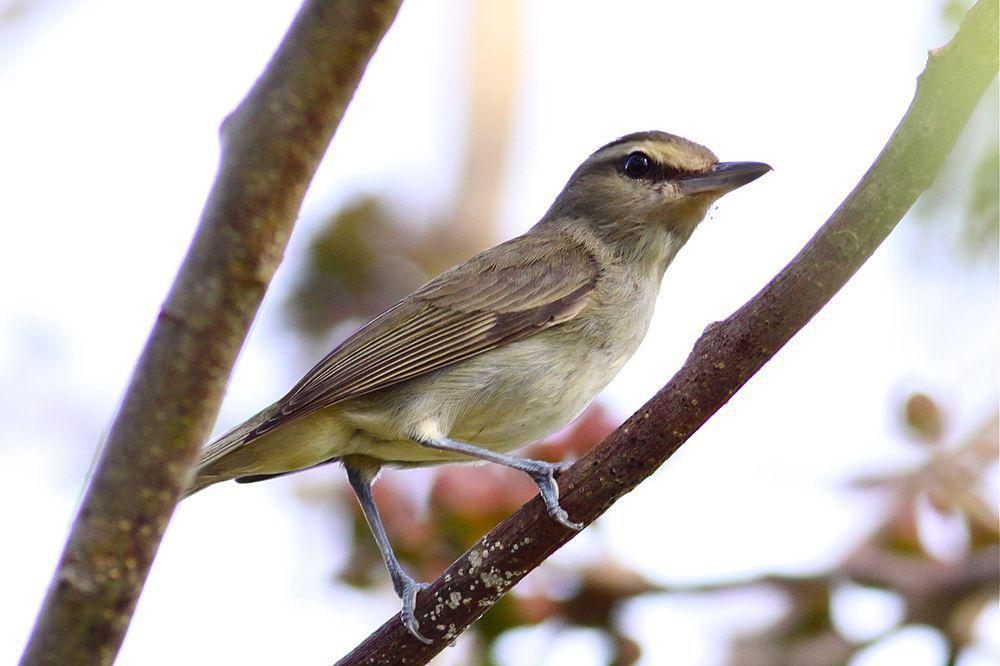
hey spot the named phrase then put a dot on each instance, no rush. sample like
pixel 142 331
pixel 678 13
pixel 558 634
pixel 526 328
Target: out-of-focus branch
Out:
pixel 492 73
pixel 271 146
pixel 723 359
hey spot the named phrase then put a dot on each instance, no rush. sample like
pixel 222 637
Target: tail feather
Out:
pixel 200 482
pixel 207 471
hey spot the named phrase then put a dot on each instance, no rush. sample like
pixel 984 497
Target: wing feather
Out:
pixel 506 293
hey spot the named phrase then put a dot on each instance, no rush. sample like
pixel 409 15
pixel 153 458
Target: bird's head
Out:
pixel 648 188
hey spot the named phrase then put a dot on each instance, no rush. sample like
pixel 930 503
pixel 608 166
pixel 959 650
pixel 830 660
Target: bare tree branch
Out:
pixel 723 359
pixel 271 146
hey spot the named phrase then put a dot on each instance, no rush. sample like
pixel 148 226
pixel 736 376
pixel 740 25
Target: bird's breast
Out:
pixel 539 384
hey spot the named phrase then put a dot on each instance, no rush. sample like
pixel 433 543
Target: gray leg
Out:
pixel 542 473
pixel 402 582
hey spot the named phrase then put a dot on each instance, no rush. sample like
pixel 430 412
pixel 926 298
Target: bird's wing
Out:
pixel 506 293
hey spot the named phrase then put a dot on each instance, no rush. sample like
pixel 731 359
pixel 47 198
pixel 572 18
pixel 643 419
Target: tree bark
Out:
pixel 271 146
pixel 723 359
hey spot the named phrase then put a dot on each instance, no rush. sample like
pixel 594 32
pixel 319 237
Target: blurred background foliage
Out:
pixel 366 256
pixel 961 206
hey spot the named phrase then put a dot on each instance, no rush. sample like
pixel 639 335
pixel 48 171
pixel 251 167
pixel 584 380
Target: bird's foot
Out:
pixel 543 474
pixel 408 613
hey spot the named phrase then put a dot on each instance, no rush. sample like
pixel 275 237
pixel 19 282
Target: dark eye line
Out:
pixel 657 171
pixel 672 173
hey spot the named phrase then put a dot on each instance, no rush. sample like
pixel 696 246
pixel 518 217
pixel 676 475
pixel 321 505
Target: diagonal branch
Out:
pixel 271 146
pixel 723 359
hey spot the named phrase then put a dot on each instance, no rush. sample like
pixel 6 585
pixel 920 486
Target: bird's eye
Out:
pixel 637 165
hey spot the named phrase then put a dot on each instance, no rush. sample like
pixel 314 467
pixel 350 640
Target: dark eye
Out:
pixel 637 165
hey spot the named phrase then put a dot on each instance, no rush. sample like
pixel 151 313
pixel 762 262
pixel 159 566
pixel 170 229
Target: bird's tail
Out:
pixel 211 466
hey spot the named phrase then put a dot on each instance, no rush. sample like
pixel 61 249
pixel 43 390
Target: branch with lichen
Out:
pixel 726 356
pixel 271 146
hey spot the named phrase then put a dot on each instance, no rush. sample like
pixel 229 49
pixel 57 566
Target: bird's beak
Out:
pixel 723 177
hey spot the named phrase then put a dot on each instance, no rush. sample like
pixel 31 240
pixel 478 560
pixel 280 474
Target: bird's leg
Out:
pixel 404 584
pixel 541 472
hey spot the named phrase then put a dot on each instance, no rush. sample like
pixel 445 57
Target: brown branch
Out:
pixel 723 359
pixel 271 146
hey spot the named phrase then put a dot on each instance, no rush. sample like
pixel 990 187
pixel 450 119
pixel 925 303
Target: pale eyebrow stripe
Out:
pixel 620 150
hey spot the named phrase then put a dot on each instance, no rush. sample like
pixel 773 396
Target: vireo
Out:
pixel 499 351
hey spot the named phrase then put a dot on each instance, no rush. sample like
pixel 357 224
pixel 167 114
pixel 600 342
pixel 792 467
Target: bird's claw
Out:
pixel 408 613
pixel 544 478
pixel 561 517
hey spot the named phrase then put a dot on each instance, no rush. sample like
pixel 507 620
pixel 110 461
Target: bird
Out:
pixel 499 351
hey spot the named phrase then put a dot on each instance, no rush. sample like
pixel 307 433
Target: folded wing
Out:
pixel 509 292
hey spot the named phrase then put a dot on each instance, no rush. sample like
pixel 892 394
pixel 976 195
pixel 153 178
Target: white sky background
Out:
pixel 108 145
